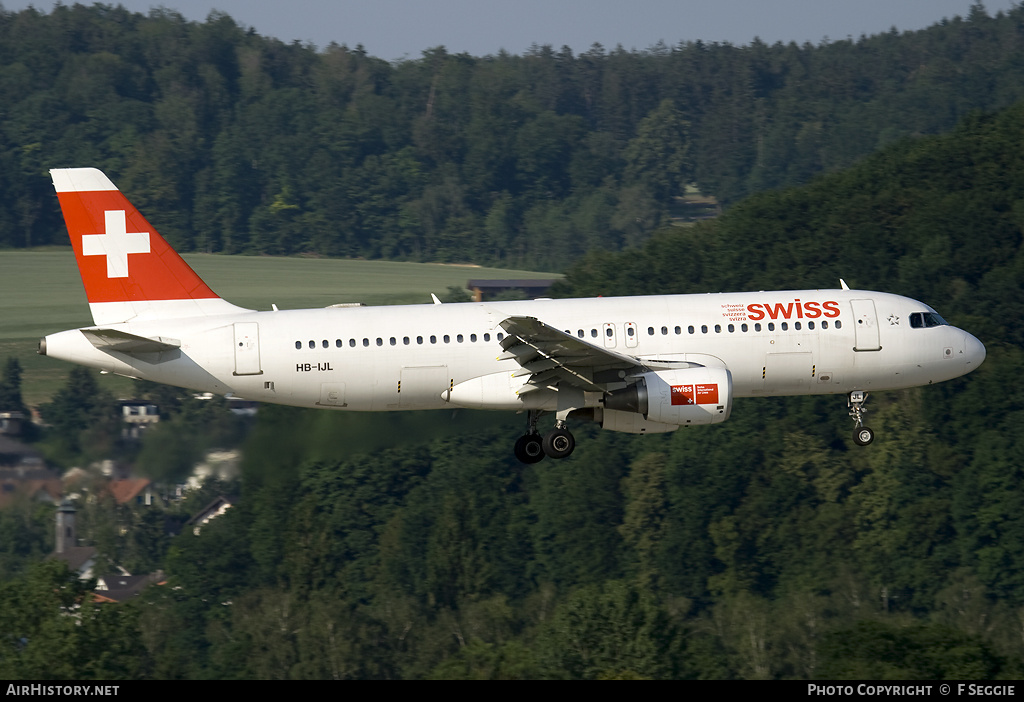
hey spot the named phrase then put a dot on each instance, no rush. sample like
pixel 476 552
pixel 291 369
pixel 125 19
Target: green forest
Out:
pixel 416 546
pixel 236 143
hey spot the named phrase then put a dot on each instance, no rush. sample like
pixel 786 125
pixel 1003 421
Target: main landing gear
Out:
pixel 862 435
pixel 557 443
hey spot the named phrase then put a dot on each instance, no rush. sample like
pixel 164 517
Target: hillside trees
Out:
pixel 232 142
pixel 83 419
pixel 10 388
pixel 54 631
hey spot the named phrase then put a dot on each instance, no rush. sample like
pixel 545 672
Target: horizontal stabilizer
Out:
pixel 123 342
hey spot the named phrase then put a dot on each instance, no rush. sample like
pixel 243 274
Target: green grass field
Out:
pixel 42 293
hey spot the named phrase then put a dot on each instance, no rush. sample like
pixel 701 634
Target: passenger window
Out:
pixel 679 330
pixel 380 342
pixel 703 328
pixel 325 344
pixel 472 338
pixel 608 332
pixel 366 342
pixel 771 326
pixel 664 331
pixel 593 333
pixel 824 324
pixel 459 338
pixel 392 341
pixel 796 325
pixel 839 325
pixel 718 328
pixel 447 339
pixel 433 339
pixel 419 339
pixel 810 325
pixel 352 343
pixel 312 344
pixel 487 337
pixel 691 329
pixel 579 333
pixel 785 326
pixel 337 343
pixel 298 344
pixel 744 327
pixel 650 331
pixel 757 326
pixel 732 328
pixel 500 336
pixel 405 340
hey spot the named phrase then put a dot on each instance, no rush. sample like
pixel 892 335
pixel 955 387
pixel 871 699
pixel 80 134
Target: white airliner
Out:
pixel 633 364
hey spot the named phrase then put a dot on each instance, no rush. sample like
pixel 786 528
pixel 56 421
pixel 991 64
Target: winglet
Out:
pixel 843 284
pixel 434 298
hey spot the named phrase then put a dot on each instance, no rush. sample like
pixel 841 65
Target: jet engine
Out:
pixel 669 399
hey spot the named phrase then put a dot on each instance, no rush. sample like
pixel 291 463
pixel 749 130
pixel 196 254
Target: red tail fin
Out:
pixel 129 271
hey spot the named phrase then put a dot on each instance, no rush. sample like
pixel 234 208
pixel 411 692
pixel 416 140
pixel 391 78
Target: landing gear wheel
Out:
pixel 559 443
pixel 529 448
pixel 862 436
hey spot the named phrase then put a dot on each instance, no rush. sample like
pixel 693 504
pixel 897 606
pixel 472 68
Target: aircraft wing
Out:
pixel 550 356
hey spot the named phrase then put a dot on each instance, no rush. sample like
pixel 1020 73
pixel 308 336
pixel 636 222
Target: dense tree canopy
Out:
pixel 232 142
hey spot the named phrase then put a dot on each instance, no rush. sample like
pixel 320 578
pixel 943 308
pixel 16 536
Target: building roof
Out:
pixel 77 557
pixel 126 490
pixel 544 283
pixel 115 587
pixel 13 451
pixel 28 478
pixel 217 507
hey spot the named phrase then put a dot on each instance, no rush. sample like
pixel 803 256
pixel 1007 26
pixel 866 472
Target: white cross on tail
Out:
pixel 116 244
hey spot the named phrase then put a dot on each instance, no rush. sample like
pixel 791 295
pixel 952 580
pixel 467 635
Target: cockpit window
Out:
pixel 920 320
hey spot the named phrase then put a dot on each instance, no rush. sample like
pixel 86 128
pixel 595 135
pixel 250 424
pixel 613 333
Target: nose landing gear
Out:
pixel 862 435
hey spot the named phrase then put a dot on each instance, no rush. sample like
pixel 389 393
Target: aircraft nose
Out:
pixel 974 351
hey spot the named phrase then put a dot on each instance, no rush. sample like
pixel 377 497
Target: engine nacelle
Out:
pixel 632 423
pixel 677 397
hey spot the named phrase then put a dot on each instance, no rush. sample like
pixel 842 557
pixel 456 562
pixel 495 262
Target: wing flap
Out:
pixel 550 356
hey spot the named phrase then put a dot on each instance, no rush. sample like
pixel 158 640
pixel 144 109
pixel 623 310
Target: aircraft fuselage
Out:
pixel 409 357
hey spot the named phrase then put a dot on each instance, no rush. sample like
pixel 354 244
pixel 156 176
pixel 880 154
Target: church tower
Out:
pixel 66 537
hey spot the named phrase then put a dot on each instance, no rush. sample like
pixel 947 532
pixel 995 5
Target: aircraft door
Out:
pixel 608 332
pixel 865 326
pixel 247 348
